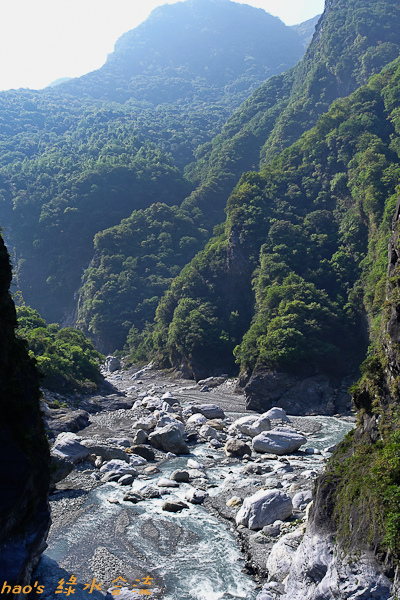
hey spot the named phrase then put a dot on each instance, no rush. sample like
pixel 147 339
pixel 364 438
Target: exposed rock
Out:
pixel 174 505
pixel 137 461
pixel 211 411
pixel 280 440
pixel 196 496
pixel 149 491
pixel 63 420
pixel 280 559
pixel 146 423
pixel 169 439
pixel 164 482
pixel 105 450
pixel 296 395
pixel 118 466
pixel 112 363
pixel 151 470
pixel 302 499
pixel 180 475
pixel 212 382
pixel 197 419
pixel 277 413
pixel 143 451
pixel 218 424
pixel 67 445
pixel 194 464
pixel 234 502
pixel 250 425
pixel 236 448
pixel 139 437
pixel 133 497
pixel 208 432
pixel 126 479
pixel 126 442
pixel 263 508
pixel 320 570
pixel 60 467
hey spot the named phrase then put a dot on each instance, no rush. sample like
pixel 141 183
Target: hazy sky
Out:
pixel 43 40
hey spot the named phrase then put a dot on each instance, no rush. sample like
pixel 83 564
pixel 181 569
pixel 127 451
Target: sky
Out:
pixel 44 40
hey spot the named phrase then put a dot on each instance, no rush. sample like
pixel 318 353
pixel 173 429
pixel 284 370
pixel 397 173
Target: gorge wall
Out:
pixel 24 468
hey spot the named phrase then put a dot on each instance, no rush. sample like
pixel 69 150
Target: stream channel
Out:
pixel 189 555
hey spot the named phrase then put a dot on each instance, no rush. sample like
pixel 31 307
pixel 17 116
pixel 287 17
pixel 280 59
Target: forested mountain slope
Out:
pixel 338 59
pixel 79 157
pixel 300 261
pixel 353 40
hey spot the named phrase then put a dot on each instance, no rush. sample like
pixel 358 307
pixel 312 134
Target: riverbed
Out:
pixel 189 555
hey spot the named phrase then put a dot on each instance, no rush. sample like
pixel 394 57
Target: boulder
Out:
pixel 68 445
pixel 236 448
pixel 170 398
pixel 263 508
pixel 151 470
pixel 139 437
pixel 143 451
pixel 146 423
pixel 208 432
pixel 197 419
pixel 149 491
pixel 174 505
pixel 164 482
pixel 211 411
pixel 118 466
pixel 64 420
pixel 126 479
pixel 196 496
pixel 279 441
pixel 180 475
pixel 137 461
pixel 250 425
pixel 277 413
pixel 60 467
pixel 112 363
pixel 133 497
pixel 302 499
pixel 105 450
pixel 169 439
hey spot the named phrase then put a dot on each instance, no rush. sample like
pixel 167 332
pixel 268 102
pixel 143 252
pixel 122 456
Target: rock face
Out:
pixel 263 508
pixel 297 396
pixel 281 440
pixel 25 466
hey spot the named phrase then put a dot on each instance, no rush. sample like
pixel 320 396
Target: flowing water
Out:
pixel 190 555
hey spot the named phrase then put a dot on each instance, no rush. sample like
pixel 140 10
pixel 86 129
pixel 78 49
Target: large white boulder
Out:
pixel 281 440
pixel 197 419
pixel 68 445
pixel 263 508
pixel 277 413
pixel 250 425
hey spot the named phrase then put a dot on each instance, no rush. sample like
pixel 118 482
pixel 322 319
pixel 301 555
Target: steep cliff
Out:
pixel 24 466
pixel 351 548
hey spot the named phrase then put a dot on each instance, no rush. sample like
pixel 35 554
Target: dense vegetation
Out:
pixel 80 157
pixel 258 123
pixel 304 243
pixel 65 357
